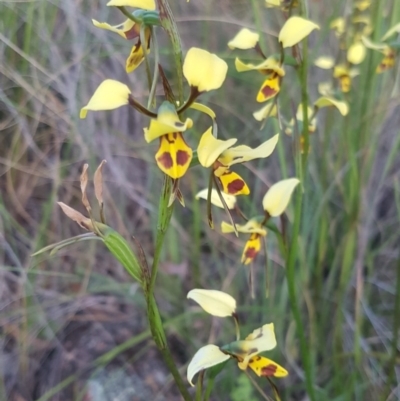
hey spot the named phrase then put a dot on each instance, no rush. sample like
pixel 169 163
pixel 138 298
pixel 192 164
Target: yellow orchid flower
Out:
pixel 274 71
pixel 245 352
pixel 174 155
pixel 220 155
pixel 253 245
pixel 137 53
pixel 274 203
pixel 344 75
pixel 293 31
pixel 389 54
pixel 131 30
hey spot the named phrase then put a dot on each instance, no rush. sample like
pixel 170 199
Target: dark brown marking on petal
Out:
pixel 182 157
pixel 169 138
pixel 133 33
pixel 235 186
pixel 166 160
pixel 251 253
pixel 269 370
pixel 267 91
pixel 179 124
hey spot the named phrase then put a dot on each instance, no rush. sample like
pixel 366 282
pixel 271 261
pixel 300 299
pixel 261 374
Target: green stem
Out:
pixel 144 44
pixel 293 248
pixel 129 15
pixel 304 104
pixel 168 23
pixel 164 218
pixel 153 313
pixel 151 101
pixel 158 334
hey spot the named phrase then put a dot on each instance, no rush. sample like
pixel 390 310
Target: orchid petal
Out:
pixel 216 303
pixel 278 196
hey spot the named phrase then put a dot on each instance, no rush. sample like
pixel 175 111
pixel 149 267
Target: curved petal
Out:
pixel 174 155
pixel 203 70
pixel 216 303
pixel 243 153
pixel 269 110
pixel 109 95
pixel 230 200
pixel 325 62
pixel 125 29
pixel 210 148
pixel 252 226
pixel 356 53
pixel 394 29
pixel 268 65
pixel 244 39
pixel 295 30
pixel 265 367
pixel 278 196
pixel 374 46
pixel 206 357
pixel 143 4
pixel 326 101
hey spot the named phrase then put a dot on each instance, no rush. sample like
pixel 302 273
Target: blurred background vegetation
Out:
pixel 72 324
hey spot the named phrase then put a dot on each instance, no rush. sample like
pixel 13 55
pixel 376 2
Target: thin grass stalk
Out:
pixel 391 381
pixel 292 255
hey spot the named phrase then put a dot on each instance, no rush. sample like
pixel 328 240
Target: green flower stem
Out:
pixel 151 100
pixel 304 104
pixel 158 334
pixel 164 218
pixel 144 43
pixel 293 246
pixel 153 313
pixel 129 15
pixel 169 25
